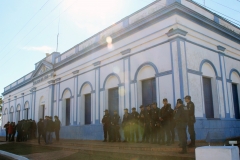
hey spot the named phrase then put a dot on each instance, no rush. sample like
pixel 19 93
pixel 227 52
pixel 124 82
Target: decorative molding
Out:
pixel 97 63
pixel 229 80
pixel 75 72
pixel 102 89
pixel 126 51
pixel 93 91
pixel 43 78
pixel 173 32
pixel 72 97
pixel 221 48
pixel 195 72
pixel 22 94
pixel 51 82
pixel 9 99
pixel 163 73
pixel 133 81
pixel 57 80
pixel 15 97
pixel 33 89
pixel 219 78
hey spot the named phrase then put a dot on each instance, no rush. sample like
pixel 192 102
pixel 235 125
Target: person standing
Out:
pixel 134 125
pixel 106 125
pixel 40 129
pixel 6 129
pixel 164 118
pixel 10 131
pixel 19 129
pixel 45 122
pixel 192 120
pixel 141 123
pixel 14 132
pixel 155 122
pixel 115 127
pixel 126 123
pixel 57 126
pixel 148 123
pixel 181 119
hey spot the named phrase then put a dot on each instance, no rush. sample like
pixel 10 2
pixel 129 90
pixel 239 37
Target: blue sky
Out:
pixel 29 28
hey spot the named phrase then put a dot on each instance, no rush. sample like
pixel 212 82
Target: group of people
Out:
pixel 153 125
pixel 47 127
pixel 27 130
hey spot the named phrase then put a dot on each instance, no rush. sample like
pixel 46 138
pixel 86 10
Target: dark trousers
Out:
pixel 13 136
pixel 6 136
pixel 155 138
pixel 126 129
pixel 9 137
pixel 191 132
pixel 165 131
pixel 106 131
pixel 39 136
pixel 115 134
pixel 57 135
pixel 134 132
pixel 147 131
pixel 181 129
pixel 142 132
pixel 19 136
pixel 172 130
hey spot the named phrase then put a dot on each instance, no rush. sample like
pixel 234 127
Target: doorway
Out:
pixel 149 91
pixel 235 100
pixel 113 100
pixel 68 112
pixel 88 109
pixel 208 98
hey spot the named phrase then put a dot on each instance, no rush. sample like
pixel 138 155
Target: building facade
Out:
pixel 169 49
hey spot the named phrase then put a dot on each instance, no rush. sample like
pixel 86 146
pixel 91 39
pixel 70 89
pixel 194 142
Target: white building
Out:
pixel 169 49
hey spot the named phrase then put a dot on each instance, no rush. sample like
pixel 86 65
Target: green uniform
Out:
pixel 165 115
pixel 181 119
pixel 155 125
pixel 115 135
pixel 191 131
pixel 134 126
pixel 126 123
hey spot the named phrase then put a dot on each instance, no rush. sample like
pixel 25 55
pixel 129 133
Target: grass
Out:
pixel 24 149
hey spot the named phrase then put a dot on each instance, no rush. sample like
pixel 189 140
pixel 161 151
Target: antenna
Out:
pixel 58 34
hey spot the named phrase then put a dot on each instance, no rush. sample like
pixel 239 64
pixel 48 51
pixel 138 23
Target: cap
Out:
pixel 180 101
pixel 187 97
pixel 154 103
pixel 125 109
pixel 56 116
pixel 106 110
pixel 133 108
pixel 141 106
pixel 165 99
pixel 148 105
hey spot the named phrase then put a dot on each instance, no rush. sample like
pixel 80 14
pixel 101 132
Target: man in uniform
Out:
pixel 192 120
pixel 106 125
pixel 181 119
pixel 6 128
pixel 126 123
pixel 141 123
pixel 148 123
pixel 115 127
pixel 164 118
pixel 134 125
pixel 155 122
pixel 40 129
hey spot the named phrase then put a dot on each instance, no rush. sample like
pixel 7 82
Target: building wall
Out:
pixel 177 61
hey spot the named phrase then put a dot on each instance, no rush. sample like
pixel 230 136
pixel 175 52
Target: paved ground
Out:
pixel 69 148
pixel 50 155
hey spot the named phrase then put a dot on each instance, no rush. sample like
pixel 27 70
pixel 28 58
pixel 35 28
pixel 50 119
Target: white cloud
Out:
pixel 44 49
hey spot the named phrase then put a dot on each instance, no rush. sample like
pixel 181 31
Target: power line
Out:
pixel 226 6
pixel 40 32
pixel 221 14
pixel 24 25
pixel 50 24
pixel 35 26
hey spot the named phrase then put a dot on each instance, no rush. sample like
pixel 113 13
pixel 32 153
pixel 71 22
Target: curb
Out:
pixel 11 155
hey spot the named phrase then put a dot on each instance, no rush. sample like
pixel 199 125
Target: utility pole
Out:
pixel 58 34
